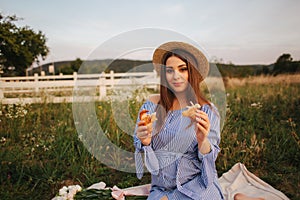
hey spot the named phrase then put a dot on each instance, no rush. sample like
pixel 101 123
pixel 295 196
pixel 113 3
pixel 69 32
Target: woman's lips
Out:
pixel 177 84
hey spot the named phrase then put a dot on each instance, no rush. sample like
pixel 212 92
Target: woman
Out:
pixel 179 151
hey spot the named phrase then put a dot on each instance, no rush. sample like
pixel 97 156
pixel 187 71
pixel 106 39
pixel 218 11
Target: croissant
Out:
pixel 148 119
pixel 191 111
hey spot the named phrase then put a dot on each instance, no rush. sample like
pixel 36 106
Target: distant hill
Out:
pixel 97 66
pixel 231 70
pixel 126 65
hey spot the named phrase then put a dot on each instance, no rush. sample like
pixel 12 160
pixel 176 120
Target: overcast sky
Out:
pixel 237 31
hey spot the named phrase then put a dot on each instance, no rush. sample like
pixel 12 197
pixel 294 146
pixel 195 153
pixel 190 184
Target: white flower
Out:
pixel 80 137
pixel 78 188
pixel 63 191
pixel 258 105
pixel 15 111
pixel 68 193
pixel 3 139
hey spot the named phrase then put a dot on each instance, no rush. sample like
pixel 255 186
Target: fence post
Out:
pixel 102 86
pixel 36 80
pixel 75 76
pixel 112 78
pixel 1 94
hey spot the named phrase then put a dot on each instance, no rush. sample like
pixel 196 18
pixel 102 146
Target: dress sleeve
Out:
pixel 208 167
pixel 150 158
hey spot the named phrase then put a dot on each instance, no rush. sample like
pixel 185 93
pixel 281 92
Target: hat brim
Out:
pixel 159 53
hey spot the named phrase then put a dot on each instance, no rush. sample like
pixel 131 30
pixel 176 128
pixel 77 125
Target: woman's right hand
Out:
pixel 143 133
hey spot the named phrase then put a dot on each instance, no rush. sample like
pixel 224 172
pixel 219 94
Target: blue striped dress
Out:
pixel 178 170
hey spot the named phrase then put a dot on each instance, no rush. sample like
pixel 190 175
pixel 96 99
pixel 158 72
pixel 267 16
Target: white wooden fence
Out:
pixel 61 88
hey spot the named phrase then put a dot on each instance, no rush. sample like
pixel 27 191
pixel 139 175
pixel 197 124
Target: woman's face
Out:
pixel 177 74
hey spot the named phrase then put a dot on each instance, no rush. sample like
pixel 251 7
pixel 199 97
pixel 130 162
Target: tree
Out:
pixel 286 57
pixel 19 46
pixel 282 64
pixel 75 65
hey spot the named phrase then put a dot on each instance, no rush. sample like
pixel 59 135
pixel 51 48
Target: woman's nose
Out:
pixel 176 74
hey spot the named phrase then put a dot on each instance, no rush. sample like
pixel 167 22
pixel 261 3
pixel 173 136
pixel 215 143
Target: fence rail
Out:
pixel 60 88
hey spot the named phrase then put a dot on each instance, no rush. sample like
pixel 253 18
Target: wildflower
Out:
pixel 45 148
pixel 3 139
pixel 257 105
pixel 15 111
pixel 291 122
pixel 80 137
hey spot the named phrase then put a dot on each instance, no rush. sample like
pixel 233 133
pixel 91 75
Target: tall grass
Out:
pixel 41 151
pixel 262 131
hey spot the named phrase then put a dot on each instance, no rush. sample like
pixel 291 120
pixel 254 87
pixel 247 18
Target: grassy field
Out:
pixel 41 152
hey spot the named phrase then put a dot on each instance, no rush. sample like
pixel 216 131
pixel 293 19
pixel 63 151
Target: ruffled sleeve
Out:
pixel 208 167
pixel 150 158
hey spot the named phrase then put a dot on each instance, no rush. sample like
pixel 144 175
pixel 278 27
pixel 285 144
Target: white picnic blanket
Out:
pixel 237 180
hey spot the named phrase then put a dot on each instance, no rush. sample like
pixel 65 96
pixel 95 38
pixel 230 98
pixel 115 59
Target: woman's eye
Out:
pixel 183 69
pixel 169 71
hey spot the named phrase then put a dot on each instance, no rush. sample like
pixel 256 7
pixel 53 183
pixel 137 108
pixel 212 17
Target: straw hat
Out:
pixel 201 61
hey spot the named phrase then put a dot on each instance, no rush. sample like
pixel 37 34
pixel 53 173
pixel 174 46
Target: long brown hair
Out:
pixel 193 92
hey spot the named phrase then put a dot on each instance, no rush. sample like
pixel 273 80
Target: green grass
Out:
pixel 41 152
pixel 264 137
